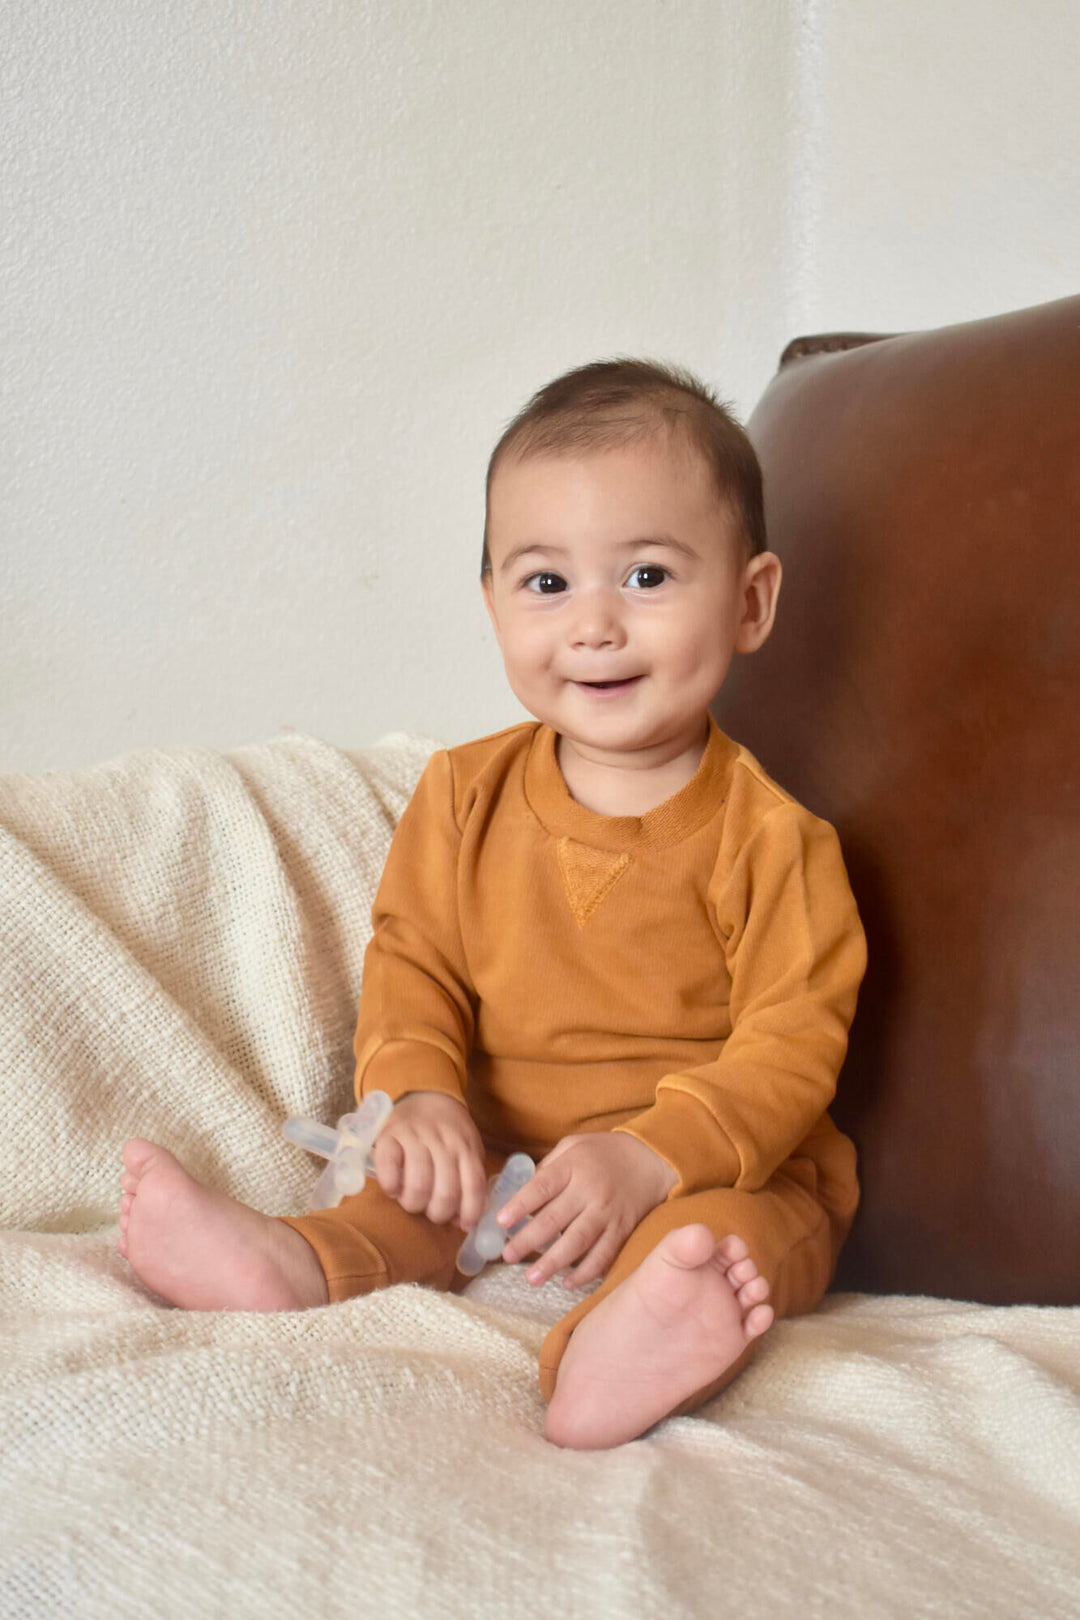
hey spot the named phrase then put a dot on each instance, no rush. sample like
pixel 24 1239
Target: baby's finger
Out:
pixel 418 1182
pixel 543 1229
pixel 576 1241
pixel 595 1262
pixel 473 1190
pixel 539 1190
pixel 389 1157
pixel 445 1199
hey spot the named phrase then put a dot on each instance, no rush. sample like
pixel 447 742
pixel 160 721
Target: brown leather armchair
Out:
pixel 922 691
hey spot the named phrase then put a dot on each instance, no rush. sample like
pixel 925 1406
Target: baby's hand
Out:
pixel 586 1198
pixel 429 1157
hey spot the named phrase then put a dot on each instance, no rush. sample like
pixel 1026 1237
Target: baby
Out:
pixel 606 938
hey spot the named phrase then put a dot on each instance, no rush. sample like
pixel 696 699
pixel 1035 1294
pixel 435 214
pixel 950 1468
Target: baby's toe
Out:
pixel 730 1251
pixel 743 1271
pixel 758 1321
pixel 137 1156
pixel 754 1292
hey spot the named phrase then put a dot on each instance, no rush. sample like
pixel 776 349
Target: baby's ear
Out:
pixel 489 602
pixel 761 588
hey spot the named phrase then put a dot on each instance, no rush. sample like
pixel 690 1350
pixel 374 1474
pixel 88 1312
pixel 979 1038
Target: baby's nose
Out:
pixel 597 620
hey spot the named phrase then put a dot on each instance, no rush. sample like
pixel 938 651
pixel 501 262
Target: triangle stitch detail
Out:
pixel 588 875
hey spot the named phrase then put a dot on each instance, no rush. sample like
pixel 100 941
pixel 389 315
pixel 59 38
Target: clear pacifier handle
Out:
pixel 348 1148
pixel 488 1239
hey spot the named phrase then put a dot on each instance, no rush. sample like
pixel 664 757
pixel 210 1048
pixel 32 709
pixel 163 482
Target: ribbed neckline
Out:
pixel 667 823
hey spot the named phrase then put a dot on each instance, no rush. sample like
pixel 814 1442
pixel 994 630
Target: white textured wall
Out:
pixel 939 171
pixel 275 274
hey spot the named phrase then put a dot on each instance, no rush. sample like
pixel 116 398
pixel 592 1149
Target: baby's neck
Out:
pixel 626 784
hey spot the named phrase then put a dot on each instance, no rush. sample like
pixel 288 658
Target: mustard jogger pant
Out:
pixel 369 1241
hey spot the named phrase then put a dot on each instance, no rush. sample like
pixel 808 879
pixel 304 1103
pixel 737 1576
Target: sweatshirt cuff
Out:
pixel 686 1136
pixel 397 1067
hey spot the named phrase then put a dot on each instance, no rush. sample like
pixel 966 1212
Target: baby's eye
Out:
pixel 545 584
pixel 647 576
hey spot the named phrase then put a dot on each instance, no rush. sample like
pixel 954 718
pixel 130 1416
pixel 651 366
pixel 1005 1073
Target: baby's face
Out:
pixel 619 593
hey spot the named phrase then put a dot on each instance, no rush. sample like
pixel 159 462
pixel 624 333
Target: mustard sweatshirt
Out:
pixel 687 976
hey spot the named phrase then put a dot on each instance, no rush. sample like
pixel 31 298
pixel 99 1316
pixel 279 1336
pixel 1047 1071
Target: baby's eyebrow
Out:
pixel 666 542
pixel 663 542
pixel 538 546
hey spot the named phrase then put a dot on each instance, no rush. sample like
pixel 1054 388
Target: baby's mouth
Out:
pixel 609 686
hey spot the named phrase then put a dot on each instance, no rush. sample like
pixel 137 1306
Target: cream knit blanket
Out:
pixel 181 940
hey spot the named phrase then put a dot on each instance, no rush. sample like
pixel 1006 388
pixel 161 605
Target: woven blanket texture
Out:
pixel 180 957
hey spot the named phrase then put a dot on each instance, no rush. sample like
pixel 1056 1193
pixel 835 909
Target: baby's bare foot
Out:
pixel 670 1329
pixel 201 1249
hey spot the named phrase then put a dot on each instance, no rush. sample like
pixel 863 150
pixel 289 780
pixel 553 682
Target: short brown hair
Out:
pixel 613 402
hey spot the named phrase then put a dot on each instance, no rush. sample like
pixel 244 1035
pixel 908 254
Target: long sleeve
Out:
pixel 417 1008
pixel 687 976
pixel 795 953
